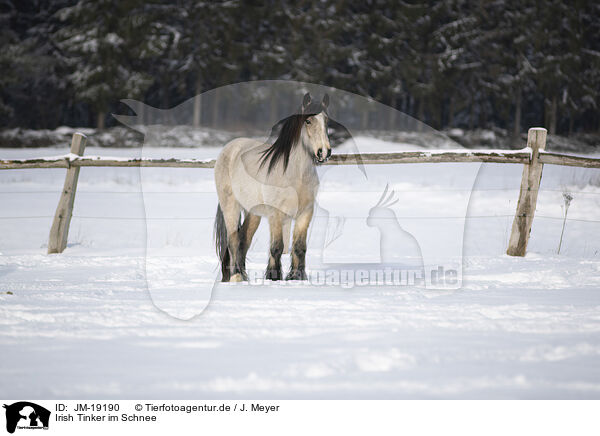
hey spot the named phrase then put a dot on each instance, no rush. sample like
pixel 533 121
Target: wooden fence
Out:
pixel 533 158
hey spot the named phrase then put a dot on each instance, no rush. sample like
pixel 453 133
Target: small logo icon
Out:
pixel 26 415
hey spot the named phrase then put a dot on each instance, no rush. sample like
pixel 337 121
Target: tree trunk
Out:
pixel 471 105
pixel 571 122
pixel 141 114
pixel 165 94
pixel 365 119
pixel 167 116
pixel 197 102
pixel 451 112
pixel 517 123
pixel 215 111
pixel 421 113
pixel 552 120
pixel 100 120
pixel 471 114
pixel 392 117
pixel 273 110
pixel 483 116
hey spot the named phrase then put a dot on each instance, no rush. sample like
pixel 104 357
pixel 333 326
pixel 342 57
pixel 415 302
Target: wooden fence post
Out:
pixel 59 232
pixel 530 185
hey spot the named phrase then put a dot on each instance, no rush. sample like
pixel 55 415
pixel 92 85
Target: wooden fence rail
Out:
pixel 533 158
pixel 72 160
pixel 522 157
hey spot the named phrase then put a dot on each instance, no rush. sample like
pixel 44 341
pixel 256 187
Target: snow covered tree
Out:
pixel 103 42
pixel 464 63
pixel 32 91
pixel 11 59
pixel 203 34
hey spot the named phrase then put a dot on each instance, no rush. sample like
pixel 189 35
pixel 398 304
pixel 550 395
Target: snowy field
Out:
pixel 114 316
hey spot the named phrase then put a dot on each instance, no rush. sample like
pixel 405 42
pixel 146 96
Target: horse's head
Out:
pixel 314 128
pixel 382 210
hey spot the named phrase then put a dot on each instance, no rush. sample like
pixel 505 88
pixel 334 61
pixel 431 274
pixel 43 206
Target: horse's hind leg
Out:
pixel 231 215
pixel 274 266
pixel 247 232
pixel 298 267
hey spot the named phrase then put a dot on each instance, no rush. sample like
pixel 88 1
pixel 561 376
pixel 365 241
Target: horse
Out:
pixel 277 181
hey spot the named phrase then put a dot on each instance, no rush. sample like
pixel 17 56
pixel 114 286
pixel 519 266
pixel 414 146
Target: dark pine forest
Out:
pixel 458 63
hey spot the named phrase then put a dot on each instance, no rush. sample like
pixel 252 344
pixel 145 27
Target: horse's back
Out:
pixel 239 175
pixel 231 175
pixel 233 150
pixel 230 157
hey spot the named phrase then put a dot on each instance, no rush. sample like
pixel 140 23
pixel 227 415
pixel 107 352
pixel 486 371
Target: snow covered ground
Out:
pixel 113 316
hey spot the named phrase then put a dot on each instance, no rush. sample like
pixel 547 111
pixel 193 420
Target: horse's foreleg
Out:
pixel 286 230
pixel 274 266
pixel 298 267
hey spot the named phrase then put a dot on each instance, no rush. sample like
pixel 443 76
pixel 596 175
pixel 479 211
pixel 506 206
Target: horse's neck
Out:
pixel 301 165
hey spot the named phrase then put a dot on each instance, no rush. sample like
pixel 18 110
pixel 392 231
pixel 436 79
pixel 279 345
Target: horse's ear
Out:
pixel 325 102
pixel 306 101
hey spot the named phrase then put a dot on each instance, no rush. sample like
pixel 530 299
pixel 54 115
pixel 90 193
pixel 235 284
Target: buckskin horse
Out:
pixel 278 181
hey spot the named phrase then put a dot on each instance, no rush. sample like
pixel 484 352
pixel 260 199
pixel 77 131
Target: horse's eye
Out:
pixel 307 121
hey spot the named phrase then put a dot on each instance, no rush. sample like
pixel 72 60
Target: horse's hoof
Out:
pixel 296 275
pixel 274 275
pixel 236 278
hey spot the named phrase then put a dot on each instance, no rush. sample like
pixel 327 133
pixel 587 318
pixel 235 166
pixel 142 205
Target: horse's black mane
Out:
pixel 288 133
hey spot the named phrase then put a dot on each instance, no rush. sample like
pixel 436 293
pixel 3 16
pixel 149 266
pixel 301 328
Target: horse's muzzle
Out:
pixel 320 158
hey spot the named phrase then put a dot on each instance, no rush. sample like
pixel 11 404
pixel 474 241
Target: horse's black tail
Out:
pixel 221 244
